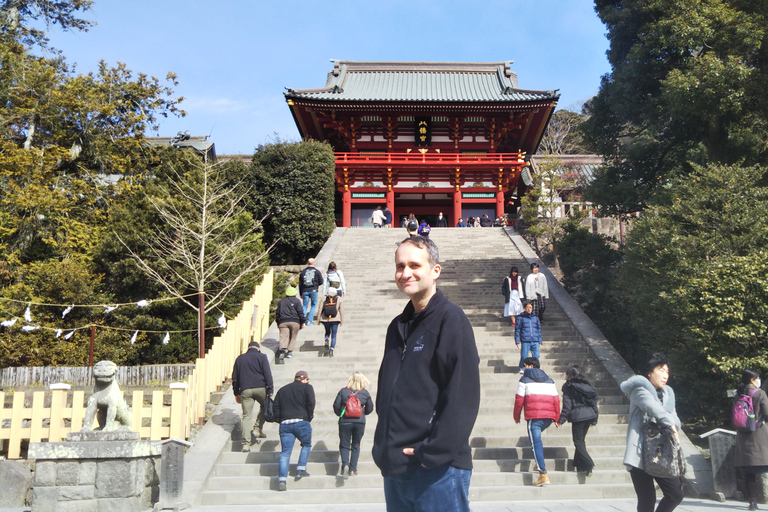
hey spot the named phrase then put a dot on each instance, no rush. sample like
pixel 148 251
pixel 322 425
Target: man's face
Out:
pixel 413 275
pixel 528 309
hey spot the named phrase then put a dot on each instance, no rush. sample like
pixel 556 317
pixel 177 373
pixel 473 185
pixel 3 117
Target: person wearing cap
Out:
pixel 289 318
pixel 294 408
pixel 330 317
pixel 252 382
pixel 428 392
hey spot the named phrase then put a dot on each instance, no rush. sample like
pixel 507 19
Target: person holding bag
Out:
pixel 352 413
pixel 651 401
pixel 751 453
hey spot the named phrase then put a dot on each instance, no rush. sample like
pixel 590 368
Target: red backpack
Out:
pixel 353 408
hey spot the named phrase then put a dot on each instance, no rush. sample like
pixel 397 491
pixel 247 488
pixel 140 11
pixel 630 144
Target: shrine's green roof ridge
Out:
pixel 471 82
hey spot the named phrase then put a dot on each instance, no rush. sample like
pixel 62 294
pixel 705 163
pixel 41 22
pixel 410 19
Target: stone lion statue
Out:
pixel 107 403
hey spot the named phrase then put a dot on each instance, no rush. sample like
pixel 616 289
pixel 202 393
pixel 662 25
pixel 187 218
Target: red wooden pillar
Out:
pixel 391 205
pixel 346 208
pixel 456 206
pixel 500 201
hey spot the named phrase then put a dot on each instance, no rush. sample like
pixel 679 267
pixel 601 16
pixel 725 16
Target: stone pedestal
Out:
pixel 95 471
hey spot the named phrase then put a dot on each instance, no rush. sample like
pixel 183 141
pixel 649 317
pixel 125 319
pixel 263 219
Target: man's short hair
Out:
pixel 532 361
pixel 424 243
pixel 311 262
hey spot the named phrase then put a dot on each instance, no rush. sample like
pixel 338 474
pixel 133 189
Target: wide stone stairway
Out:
pixel 474 263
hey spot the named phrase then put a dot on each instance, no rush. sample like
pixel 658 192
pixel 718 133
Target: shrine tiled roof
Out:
pixel 422 82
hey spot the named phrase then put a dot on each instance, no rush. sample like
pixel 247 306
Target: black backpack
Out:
pixel 330 306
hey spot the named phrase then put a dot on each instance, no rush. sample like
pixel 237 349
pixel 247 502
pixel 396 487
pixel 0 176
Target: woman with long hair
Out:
pixel 650 397
pixel 351 429
pixel 751 453
pixel 512 288
pixel 580 408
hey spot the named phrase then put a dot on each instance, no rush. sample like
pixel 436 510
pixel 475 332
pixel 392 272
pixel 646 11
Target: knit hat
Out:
pixel 253 344
pixel 291 291
pixel 301 374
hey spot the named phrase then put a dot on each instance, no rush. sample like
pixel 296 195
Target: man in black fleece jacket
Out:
pixel 252 382
pixel 428 392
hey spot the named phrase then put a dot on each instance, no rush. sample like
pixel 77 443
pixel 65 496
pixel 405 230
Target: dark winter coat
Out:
pixel 341 400
pixel 579 403
pixel 290 309
pixel 295 401
pixel 752 447
pixel 442 222
pixel 251 370
pixel 428 392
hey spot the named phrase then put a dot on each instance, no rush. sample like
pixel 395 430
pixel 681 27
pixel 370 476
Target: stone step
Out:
pixel 501 452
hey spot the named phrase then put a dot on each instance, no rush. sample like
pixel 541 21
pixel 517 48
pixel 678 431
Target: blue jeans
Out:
pixel 310 298
pixel 331 328
pixel 527 346
pixel 288 435
pixel 441 489
pixel 535 427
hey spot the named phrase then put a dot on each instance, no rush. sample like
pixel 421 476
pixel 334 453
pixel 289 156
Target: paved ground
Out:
pixel 623 505
pixel 688 505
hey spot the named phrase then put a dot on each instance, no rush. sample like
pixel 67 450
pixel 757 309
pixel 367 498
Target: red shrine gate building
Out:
pixel 425 137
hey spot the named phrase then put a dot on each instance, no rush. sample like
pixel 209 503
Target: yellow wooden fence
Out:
pixel 153 420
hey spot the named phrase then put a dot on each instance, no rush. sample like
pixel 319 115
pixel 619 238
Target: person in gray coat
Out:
pixel 751 453
pixel 649 396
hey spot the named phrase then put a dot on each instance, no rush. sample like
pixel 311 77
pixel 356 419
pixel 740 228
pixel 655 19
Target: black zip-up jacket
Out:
pixel 290 309
pixel 428 391
pixel 251 370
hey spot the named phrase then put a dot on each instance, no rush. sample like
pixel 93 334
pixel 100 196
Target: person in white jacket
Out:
pixel 537 291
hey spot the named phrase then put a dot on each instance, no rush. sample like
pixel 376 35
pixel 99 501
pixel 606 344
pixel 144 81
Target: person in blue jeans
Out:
pixel 294 408
pixel 428 392
pixel 310 279
pixel 528 334
pixel 537 394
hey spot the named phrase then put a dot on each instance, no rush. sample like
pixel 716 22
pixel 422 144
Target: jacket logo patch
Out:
pixel 419 346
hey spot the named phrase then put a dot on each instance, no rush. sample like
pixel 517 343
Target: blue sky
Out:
pixel 234 58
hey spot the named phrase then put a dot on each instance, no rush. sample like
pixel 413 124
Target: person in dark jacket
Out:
pixel 580 408
pixel 289 319
pixel 310 279
pixel 751 453
pixel 461 224
pixel 442 222
pixel 294 408
pixel 387 217
pixel 528 334
pixel 537 395
pixel 252 382
pixel 428 391
pixel 351 430
pixel 485 221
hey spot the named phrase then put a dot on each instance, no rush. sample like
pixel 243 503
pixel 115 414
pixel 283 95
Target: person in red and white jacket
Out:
pixel 537 394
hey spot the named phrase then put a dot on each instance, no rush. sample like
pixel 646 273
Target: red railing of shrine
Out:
pixel 363 160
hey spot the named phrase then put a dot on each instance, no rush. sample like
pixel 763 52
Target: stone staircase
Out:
pixel 474 263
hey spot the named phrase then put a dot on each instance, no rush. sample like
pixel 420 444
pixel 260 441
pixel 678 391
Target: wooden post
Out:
pixel 201 327
pixel 93 340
